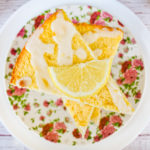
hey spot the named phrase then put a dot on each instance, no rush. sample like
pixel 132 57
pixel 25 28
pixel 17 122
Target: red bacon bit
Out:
pixel 60 126
pixel 103 122
pixel 76 133
pixel 27 107
pixel 13 51
pixel 38 21
pixel 15 107
pixel 138 94
pixel 130 76
pixel 46 128
pixel 94 16
pixel 46 103
pixel 59 102
pixel 108 130
pixel 52 136
pixel 116 119
pixel 120 23
pixel 125 66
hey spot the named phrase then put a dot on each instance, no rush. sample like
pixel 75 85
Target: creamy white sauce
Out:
pixel 24 82
pixel 118 97
pixel 37 49
pixel 81 54
pixel 91 37
pixel 97 52
pixel 64 31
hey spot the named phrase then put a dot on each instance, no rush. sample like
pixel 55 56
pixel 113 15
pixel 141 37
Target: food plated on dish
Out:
pixel 73 61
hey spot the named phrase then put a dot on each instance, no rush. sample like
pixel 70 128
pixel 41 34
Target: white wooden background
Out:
pixel 140 7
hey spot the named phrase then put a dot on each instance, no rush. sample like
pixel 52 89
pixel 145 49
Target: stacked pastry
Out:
pixel 73 61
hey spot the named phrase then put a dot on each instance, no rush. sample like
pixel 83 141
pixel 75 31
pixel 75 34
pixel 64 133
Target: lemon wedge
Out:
pixel 81 80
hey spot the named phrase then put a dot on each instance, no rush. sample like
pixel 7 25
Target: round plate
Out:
pixel 136 123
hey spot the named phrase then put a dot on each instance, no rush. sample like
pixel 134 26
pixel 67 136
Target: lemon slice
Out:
pixel 83 79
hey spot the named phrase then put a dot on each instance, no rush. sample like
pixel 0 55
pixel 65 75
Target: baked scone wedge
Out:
pixel 47 46
pixel 24 73
pixel 110 98
pixel 102 40
pixel 82 114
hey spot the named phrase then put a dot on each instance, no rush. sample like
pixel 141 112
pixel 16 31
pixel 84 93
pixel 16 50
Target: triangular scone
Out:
pixel 24 74
pixel 81 113
pixel 102 40
pixel 55 43
pixel 110 98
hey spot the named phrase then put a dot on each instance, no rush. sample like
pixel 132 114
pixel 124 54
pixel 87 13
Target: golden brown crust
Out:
pixel 23 68
pixel 85 27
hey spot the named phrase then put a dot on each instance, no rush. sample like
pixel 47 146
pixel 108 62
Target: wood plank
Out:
pixel 140 143
pixel 10 143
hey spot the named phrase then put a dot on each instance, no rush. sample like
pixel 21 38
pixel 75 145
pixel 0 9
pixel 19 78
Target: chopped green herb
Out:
pixel 89 137
pixel 35 128
pixel 25 36
pixel 28 90
pixel 33 29
pixel 97 18
pixel 139 68
pixel 74 143
pixel 60 131
pixel 91 123
pixel 128 40
pixel 6 76
pixel 133 57
pixel 50 129
pixel 107 19
pixel 117 124
pixel 42 94
pixel 136 101
pixel 81 8
pixel 25 113
pixel 41 135
pixel 18 50
pixel 56 120
pixel 8 59
pixel 112 113
pixel 77 18
pixel 83 16
pixel 39 111
pixel 59 141
pixel 107 123
pixel 32 119
pixel 122 114
pixel 42 21
pixel 47 11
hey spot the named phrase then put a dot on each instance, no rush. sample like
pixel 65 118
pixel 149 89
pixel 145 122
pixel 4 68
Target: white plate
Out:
pixel 137 122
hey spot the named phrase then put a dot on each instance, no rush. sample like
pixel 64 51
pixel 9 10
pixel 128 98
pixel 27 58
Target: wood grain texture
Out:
pixel 140 7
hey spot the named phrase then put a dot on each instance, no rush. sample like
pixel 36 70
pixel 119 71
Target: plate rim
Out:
pixel 6 114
